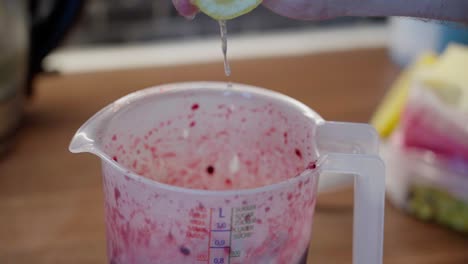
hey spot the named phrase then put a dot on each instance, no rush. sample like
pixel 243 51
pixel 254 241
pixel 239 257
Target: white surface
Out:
pixel 209 49
pixel 403 44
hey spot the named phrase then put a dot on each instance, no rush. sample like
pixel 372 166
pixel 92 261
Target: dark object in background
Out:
pixel 50 21
pixel 29 30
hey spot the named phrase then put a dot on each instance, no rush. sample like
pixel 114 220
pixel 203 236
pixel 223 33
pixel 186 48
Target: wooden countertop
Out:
pixel 51 204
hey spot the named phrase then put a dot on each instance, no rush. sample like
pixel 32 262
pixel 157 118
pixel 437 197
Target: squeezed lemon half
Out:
pixel 226 9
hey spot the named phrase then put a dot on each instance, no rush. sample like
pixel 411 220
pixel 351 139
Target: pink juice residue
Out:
pixel 207 145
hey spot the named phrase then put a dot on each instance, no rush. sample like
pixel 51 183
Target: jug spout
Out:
pixel 82 142
pixel 87 139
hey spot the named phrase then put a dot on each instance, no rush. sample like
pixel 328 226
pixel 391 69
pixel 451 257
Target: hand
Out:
pixel 450 10
pixel 298 9
pixel 307 9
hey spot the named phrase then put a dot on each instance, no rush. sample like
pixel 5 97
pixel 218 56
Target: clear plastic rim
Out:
pixel 114 107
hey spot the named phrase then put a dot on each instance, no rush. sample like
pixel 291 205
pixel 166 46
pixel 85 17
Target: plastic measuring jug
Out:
pixel 202 173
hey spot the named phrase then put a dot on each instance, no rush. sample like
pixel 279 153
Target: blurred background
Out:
pixel 142 21
pixel 61 61
pixel 147 32
pixel 142 31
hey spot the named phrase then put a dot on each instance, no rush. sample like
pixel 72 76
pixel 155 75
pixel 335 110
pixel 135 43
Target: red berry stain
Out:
pixel 228 182
pixel 114 137
pixel 312 165
pixel 244 202
pixel 222 133
pixel 298 153
pixel 247 218
pixel 227 201
pixel 170 237
pixel 259 221
pixel 136 142
pixel 201 206
pixel 227 250
pixel 115 214
pixel 134 165
pixel 195 107
pixel 196 214
pixel 285 135
pixel 270 198
pixel 192 124
pixel 184 250
pixel 267 209
pixel 143 237
pixel 125 233
pixel 115 158
pixel 290 196
pixel 300 185
pixel 210 170
pixel 169 155
pixel 116 194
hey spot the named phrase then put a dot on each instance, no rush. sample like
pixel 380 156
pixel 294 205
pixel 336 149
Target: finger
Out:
pixel 304 9
pixel 185 8
pixel 452 10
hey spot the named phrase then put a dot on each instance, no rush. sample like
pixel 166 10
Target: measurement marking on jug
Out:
pixel 243 220
pixel 230 237
pixel 219 248
pixel 225 227
pixel 197 224
pixel 209 235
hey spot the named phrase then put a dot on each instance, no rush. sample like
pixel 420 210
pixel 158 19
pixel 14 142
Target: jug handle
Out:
pixel 339 137
pixel 352 149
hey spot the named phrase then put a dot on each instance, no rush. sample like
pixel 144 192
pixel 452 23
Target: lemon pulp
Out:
pixel 226 9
